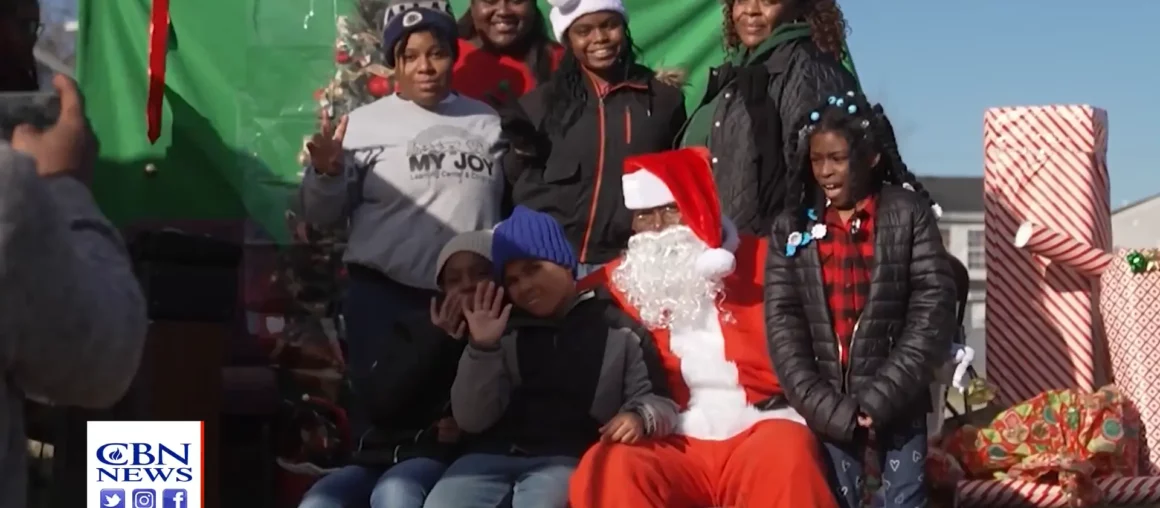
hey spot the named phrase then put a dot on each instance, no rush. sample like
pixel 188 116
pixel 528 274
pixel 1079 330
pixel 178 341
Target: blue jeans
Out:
pixel 902 450
pixel 482 480
pixel 373 304
pixel 403 486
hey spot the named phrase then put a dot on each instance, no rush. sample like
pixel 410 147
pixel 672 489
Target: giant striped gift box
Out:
pixel 1045 164
pixel 1137 492
pixel 1130 307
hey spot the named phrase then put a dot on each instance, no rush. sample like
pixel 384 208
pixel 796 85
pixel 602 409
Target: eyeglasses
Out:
pixel 656 218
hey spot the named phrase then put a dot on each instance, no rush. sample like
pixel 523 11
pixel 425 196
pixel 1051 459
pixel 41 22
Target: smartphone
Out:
pixel 39 109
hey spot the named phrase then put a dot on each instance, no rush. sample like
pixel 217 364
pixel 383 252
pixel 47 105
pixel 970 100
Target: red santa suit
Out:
pixel 728 450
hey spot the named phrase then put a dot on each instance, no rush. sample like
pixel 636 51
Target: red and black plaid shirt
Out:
pixel 846 255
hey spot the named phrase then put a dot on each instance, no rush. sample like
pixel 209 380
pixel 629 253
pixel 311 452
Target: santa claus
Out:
pixel 696 284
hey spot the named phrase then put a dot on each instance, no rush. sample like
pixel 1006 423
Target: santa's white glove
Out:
pixel 963 355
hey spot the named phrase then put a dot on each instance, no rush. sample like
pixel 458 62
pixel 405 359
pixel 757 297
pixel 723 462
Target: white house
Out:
pixel 1137 225
pixel 961 198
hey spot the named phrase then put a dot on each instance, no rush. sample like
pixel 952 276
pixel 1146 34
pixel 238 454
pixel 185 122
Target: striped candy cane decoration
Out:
pixel 1124 491
pixel 1063 249
pixel 1046 165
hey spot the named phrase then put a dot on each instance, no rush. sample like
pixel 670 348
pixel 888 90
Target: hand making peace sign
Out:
pixel 487 316
pixel 325 147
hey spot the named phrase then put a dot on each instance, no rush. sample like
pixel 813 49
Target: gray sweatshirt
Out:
pixel 429 175
pixel 72 318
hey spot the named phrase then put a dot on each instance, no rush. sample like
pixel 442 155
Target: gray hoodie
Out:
pixel 72 318
pixel 429 175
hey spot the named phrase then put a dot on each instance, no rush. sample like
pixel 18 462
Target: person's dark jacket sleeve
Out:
pixel 925 341
pixel 677 122
pixel 827 411
pixel 417 361
pixel 812 77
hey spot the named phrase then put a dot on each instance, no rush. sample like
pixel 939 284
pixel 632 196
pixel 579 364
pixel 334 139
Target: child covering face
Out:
pixel 545 376
pixel 413 436
pixel 860 299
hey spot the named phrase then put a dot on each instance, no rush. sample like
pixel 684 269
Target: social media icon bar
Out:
pixel 112 498
pixel 174 498
pixel 144 498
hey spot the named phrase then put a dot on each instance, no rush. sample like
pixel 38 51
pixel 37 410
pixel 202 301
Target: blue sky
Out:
pixel 937 65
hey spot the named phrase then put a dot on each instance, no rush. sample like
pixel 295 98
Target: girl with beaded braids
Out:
pixel 859 298
pixel 570 135
pixel 784 56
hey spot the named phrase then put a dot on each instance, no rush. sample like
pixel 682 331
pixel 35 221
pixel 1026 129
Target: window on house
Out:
pixel 976 253
pixel 946 236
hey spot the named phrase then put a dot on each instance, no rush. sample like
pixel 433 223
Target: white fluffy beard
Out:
pixel 658 277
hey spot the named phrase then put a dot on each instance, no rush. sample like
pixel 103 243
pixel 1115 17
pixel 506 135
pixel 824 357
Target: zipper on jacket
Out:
pixel 599 177
pixel 850 361
pixel 627 125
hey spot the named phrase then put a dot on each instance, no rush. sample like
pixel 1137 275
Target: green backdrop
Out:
pixel 240 79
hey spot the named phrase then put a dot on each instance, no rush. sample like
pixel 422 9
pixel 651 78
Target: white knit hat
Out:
pixel 478 242
pixel 565 12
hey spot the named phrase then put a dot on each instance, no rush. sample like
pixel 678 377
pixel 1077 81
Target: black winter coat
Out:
pixel 758 103
pixel 903 334
pixel 407 391
pixel 575 177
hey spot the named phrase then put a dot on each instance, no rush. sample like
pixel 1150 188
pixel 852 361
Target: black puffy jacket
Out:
pixel 902 336
pixel 758 105
pixel 575 176
pixel 407 391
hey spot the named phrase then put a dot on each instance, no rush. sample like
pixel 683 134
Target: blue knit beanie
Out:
pixel 403 18
pixel 529 234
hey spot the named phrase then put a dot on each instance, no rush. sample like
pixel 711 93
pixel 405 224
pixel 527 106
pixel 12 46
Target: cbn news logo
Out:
pixel 145 464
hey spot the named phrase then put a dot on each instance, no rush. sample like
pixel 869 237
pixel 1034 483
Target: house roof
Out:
pixel 955 193
pixel 1136 203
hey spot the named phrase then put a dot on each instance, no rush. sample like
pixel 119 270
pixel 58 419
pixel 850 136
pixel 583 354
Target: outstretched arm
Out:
pixel 74 322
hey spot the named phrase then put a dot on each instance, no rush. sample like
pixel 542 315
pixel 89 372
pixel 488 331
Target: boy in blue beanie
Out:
pixel 541 382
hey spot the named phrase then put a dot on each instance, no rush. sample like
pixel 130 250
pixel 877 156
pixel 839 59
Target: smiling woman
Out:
pixel 511 51
pixel 575 130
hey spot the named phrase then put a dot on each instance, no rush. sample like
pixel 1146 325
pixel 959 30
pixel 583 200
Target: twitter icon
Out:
pixel 112 498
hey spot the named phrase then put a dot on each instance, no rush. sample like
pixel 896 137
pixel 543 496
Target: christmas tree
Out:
pixel 360 76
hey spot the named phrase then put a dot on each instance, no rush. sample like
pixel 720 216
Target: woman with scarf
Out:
pixel 784 56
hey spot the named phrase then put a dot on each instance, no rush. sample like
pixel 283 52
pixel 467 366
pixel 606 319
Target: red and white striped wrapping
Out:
pixel 1060 248
pixel 1045 164
pixel 1128 491
pixel 1130 307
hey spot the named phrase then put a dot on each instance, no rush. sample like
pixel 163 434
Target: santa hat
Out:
pixel 684 178
pixel 566 12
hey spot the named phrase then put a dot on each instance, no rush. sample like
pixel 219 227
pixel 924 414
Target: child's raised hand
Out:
pixel 626 427
pixel 448 316
pixel 865 421
pixel 487 316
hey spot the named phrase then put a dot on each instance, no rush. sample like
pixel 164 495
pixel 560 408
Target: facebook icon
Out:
pixel 174 498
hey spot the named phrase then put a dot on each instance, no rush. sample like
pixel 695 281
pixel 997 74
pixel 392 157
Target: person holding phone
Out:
pixel 72 317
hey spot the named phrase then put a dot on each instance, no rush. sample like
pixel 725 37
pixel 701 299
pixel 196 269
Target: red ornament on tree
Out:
pixel 341 56
pixel 378 86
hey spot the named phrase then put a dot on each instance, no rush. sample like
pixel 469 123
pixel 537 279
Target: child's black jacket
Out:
pixel 550 384
pixel 406 393
pixel 903 333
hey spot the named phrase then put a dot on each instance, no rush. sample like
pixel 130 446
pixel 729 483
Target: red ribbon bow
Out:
pixel 158 48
